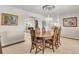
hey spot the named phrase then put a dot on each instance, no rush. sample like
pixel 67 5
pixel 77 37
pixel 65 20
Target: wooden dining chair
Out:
pixel 36 42
pixel 51 41
pixel 57 37
pixel 55 40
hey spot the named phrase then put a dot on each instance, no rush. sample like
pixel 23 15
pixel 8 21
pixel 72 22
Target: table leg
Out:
pixel 43 45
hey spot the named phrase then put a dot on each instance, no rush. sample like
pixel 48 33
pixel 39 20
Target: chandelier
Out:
pixel 48 10
pixel 50 16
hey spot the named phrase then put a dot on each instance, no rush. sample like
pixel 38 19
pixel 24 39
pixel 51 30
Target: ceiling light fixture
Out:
pixel 48 11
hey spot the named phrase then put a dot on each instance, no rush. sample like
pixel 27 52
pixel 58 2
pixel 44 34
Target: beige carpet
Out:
pixel 68 46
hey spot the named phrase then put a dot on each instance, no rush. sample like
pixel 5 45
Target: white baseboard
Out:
pixel 70 38
pixel 13 43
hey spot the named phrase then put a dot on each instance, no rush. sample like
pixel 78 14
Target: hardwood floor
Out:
pixel 68 46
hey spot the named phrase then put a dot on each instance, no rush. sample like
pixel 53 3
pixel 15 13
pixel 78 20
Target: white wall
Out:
pixel 17 32
pixel 12 34
pixel 71 32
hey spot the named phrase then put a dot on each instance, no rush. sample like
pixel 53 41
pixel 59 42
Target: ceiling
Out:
pixel 59 9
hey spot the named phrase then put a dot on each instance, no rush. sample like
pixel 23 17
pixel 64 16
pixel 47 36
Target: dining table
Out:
pixel 45 36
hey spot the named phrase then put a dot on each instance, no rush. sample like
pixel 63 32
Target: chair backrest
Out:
pixel 32 32
pixel 43 30
pixel 60 30
pixel 55 35
pixel 37 30
pixel 57 32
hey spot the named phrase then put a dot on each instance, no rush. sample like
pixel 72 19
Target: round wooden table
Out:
pixel 44 37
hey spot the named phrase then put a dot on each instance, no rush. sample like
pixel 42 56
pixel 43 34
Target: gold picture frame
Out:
pixel 70 22
pixel 9 19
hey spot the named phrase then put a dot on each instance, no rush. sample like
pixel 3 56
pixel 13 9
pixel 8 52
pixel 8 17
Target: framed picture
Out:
pixel 70 22
pixel 9 19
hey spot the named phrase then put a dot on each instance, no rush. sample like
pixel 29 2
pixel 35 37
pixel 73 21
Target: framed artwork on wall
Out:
pixel 9 19
pixel 70 22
